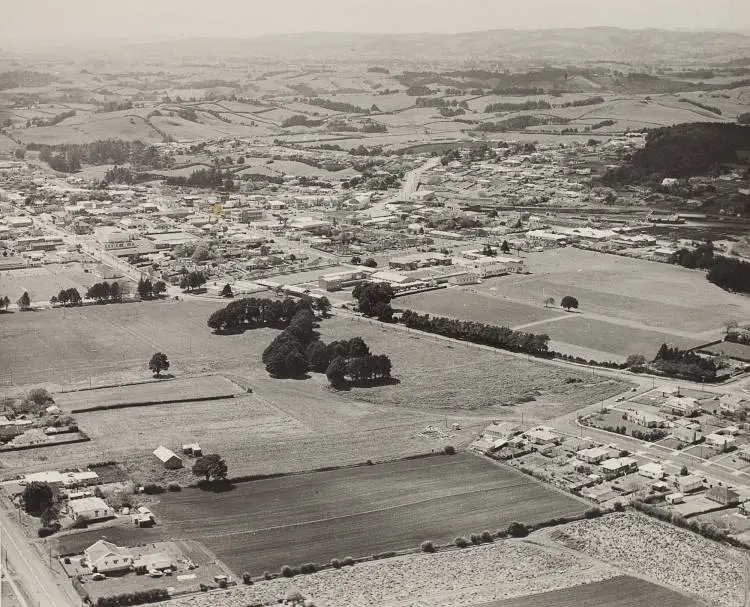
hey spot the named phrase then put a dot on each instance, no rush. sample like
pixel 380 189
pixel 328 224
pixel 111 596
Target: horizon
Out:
pixel 84 21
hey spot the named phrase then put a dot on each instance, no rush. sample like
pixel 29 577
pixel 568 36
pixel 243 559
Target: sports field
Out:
pixel 266 524
pixel 620 591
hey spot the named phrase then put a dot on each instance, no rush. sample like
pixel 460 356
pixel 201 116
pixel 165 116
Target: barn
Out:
pixel 169 459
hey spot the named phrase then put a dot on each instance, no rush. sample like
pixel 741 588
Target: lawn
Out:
pixel 480 307
pixel 620 591
pixel 46 281
pixel 732 350
pixel 168 389
pixel 266 524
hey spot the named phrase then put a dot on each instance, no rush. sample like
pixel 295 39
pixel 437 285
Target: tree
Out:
pixel 227 291
pixel 212 466
pixel 505 247
pixel 317 356
pixel 356 260
pixel 53 300
pixel 39 397
pixel 114 292
pixel 370 263
pixel 145 288
pixel 24 302
pixel 158 363
pixel 159 288
pixel 37 497
pixel 6 302
pixel 201 253
pixel 636 362
pixel 336 371
pixel 569 302
pixel 74 297
pixel 684 471
pixel 324 306
pixel 549 301
pixel 731 325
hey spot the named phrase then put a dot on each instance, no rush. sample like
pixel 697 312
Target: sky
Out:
pixel 96 20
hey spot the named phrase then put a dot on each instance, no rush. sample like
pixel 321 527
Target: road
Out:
pixel 411 179
pixel 39 585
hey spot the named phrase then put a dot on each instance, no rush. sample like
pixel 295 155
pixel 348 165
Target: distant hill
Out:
pixel 600 44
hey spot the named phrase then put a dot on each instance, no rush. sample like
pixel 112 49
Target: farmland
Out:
pixel 621 591
pixel 263 525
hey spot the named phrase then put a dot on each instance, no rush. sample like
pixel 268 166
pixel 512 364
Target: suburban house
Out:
pixel 105 557
pixel 689 483
pixel 90 509
pixel 594 455
pixel 153 562
pixel 501 430
pixel 644 418
pixel 732 403
pixel 652 470
pixel 542 436
pixel 744 452
pixel 687 431
pixel 683 405
pixel 169 459
pixel 723 495
pixel 618 466
pixel 720 441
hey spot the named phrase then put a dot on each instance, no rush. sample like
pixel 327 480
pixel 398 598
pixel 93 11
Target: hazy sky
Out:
pixel 147 19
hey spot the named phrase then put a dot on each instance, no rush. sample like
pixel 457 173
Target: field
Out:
pixel 177 389
pixel 46 281
pixel 266 524
pixel 621 591
pixel 733 350
pixel 480 307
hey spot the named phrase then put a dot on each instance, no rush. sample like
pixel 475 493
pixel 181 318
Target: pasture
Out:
pixel 45 281
pixel 263 525
pixel 620 591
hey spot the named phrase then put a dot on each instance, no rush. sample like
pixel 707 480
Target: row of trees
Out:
pixel 670 360
pixel 66 297
pixel 104 291
pixel 252 312
pixel 726 272
pixel 4 303
pixel 148 290
pixel 479 333
pixel 358 369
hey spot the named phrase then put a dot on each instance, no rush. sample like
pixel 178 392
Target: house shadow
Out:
pixel 221 485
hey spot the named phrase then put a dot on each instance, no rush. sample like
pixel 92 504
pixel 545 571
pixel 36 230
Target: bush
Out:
pixel 153 489
pixel 449 450
pixel 173 487
pixel 427 546
pixel 247 579
pixel 45 531
pixel 348 561
pixel 475 539
pixel 618 507
pixel 461 542
pixel 267 575
pixel 335 563
pixel 593 512
pixel 287 571
pixel 309 568
pixel 517 530
pixel 487 536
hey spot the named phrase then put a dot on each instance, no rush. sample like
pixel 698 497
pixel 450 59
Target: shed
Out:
pixel 169 459
pixel 675 498
pixel 723 495
pixel 149 562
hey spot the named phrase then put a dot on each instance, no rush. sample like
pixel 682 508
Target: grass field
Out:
pixel 733 350
pixel 620 591
pixel 480 307
pixel 46 281
pixel 264 525
pixel 176 389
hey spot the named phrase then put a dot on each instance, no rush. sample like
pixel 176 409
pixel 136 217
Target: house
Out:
pixel 674 498
pixel 593 455
pixel 105 557
pixel 618 466
pixel 744 452
pixel 732 403
pixel 193 449
pixel 720 441
pixel 153 562
pixel 142 517
pixel 644 418
pixel 90 509
pixel 542 436
pixel 684 406
pixel 687 431
pixel 169 459
pixel 689 483
pixel 652 470
pixel 501 430
pixel 723 495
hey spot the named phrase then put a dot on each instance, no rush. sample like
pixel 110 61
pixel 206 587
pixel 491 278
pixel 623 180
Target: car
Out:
pixel 98 577
pixel 155 573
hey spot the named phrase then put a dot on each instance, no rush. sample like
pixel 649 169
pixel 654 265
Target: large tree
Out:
pixel 549 301
pixel 158 363
pixel 211 466
pixel 37 497
pixel 24 302
pixel 336 372
pixel 569 302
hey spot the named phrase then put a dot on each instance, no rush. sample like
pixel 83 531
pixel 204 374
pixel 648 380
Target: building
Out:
pixel 689 483
pixel 169 459
pixel 90 509
pixel 419 260
pixel 486 267
pixel 193 449
pixel 681 405
pixel 687 431
pixel 618 466
pixel 343 280
pixel 644 418
pixel 501 430
pixel 720 441
pixel 652 470
pixel 723 495
pixel 732 403
pixel 674 498
pixel 106 557
pixel 542 436
pixel 153 562
pixel 593 455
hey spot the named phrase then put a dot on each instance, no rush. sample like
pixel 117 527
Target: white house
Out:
pixel 652 470
pixel 618 466
pixel 689 483
pixel 594 455
pixel 90 509
pixel 674 498
pixel 720 441
pixel 105 557
pixel 169 459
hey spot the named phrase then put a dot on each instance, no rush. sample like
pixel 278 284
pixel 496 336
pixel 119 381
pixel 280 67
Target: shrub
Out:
pixel 348 561
pixel 247 579
pixel 268 575
pixel 203 588
pixel 153 489
pixel 449 450
pixel 487 536
pixel 517 530
pixel 287 571
pixel 309 568
pixel 618 507
pixel 383 555
pixel 335 563
pixel 461 542
pixel 475 539
pixel 45 531
pixel 593 512
pixel 174 487
pixel 427 546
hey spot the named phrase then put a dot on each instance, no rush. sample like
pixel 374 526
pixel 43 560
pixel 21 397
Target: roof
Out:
pixel 652 467
pixel 158 560
pixel 165 454
pixel 87 504
pixel 616 463
pixel 593 452
pixel 102 548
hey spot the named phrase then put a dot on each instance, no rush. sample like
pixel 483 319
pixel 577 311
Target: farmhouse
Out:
pixel 169 459
pixel 618 466
pixel 105 557
pixel 90 509
pixel 723 495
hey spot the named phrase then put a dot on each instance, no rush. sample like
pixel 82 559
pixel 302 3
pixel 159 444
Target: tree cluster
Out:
pixel 67 296
pixel 683 363
pixel 151 595
pixel 726 272
pixel 252 312
pixel 4 303
pixel 337 106
pixel 517 107
pixel 193 280
pixel 478 333
pixel 103 291
pixel 374 299
pixel 37 497
pixel 518 123
pixel 148 290
pixel 300 120
pixel 211 466
pixel 583 102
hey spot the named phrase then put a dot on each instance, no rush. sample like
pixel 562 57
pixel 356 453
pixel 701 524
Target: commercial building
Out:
pixel 486 267
pixel 343 280
pixel 419 260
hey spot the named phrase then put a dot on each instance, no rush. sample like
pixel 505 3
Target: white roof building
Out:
pixel 104 556
pixel 91 509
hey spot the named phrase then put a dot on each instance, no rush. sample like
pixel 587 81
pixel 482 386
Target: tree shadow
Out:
pixel 366 383
pixel 164 376
pixel 221 485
